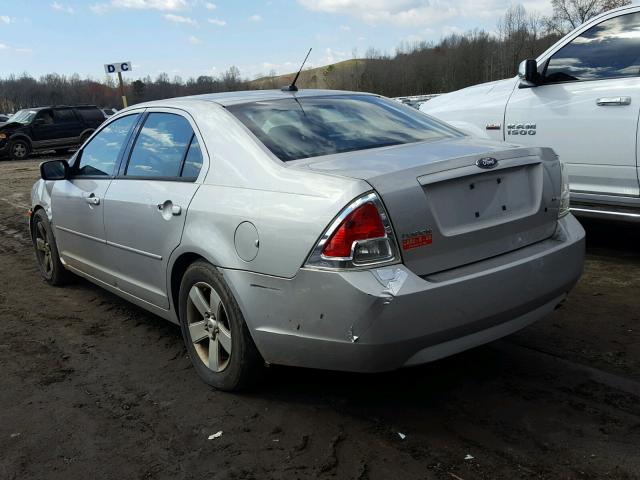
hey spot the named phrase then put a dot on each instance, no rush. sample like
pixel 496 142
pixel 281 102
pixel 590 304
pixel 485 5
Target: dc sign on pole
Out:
pixel 118 68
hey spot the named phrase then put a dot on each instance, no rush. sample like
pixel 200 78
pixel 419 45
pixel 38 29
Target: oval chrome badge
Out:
pixel 486 162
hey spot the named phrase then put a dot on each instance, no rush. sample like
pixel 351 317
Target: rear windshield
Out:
pixel 313 126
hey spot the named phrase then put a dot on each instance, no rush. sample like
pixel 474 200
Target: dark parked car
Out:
pixel 3 117
pixel 47 128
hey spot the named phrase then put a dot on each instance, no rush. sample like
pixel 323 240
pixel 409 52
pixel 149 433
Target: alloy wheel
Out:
pixel 19 150
pixel 209 326
pixel 43 249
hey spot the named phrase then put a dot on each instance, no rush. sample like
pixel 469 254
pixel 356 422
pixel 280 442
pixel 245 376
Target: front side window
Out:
pixel 45 117
pixel 305 127
pixel 160 147
pixel 610 49
pixel 100 155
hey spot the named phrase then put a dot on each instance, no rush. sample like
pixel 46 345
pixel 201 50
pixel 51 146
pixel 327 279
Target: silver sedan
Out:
pixel 321 229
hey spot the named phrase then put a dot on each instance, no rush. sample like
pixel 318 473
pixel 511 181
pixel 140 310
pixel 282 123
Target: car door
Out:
pixel 587 106
pixel 77 204
pixel 147 202
pixel 43 129
pixel 67 126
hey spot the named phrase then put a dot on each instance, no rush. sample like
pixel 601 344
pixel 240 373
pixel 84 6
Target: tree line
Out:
pixel 454 62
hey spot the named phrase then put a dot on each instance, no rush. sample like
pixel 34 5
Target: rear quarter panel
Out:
pixel 289 208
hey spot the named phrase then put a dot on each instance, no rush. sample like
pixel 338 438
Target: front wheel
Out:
pixel 214 331
pixel 19 149
pixel 51 268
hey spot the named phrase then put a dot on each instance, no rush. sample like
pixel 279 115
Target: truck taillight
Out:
pixel 361 236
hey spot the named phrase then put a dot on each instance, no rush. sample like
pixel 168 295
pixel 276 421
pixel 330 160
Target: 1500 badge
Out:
pixel 416 239
pixel 521 129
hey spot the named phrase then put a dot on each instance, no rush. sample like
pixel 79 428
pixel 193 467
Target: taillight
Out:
pixel 360 236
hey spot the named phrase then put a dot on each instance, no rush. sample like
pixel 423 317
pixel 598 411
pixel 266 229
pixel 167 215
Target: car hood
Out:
pixel 9 125
pixel 491 92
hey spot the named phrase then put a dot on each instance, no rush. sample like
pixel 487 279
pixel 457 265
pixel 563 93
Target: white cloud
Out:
pixel 180 19
pixel 62 8
pixel 7 48
pixel 5 19
pixel 345 28
pixel 217 22
pixel 193 40
pixel 450 30
pixel 210 6
pixel 161 5
pixel 418 13
pixel 255 18
pixel 164 5
pixel 333 56
pixel 99 8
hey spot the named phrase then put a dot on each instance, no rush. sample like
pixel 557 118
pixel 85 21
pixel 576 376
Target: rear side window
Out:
pixel 161 146
pixel 305 127
pixel 65 115
pixel 193 161
pixel 100 155
pixel 608 50
pixel 91 115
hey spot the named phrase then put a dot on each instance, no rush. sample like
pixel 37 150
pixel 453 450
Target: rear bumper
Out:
pixel 376 320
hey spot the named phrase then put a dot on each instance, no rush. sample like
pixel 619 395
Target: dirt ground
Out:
pixel 93 387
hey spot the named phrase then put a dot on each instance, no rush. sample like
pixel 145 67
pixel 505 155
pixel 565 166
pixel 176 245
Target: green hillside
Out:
pixel 328 76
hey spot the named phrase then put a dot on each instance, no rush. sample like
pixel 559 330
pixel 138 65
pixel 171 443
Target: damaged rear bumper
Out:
pixel 383 319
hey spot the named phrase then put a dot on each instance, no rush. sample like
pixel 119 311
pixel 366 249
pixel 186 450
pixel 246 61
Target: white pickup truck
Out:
pixel 582 98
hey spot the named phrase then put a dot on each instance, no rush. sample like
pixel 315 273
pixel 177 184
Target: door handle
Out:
pixel 91 199
pixel 613 101
pixel 169 206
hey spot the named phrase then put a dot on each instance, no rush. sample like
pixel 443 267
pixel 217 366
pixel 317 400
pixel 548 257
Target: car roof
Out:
pixel 37 109
pixel 234 98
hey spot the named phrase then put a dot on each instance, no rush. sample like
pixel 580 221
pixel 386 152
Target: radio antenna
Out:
pixel 292 87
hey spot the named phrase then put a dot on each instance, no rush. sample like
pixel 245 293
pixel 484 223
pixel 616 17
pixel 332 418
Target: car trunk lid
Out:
pixel 446 210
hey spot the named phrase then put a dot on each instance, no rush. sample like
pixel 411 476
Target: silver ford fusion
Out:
pixel 321 229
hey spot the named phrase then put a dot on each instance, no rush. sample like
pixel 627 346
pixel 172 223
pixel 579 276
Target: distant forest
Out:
pixel 456 61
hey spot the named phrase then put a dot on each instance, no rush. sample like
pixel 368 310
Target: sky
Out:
pixel 199 37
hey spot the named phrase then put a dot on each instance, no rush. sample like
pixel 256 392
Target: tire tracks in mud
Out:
pixel 105 384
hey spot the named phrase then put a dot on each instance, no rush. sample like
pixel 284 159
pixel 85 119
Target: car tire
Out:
pixel 19 149
pixel 44 244
pixel 215 334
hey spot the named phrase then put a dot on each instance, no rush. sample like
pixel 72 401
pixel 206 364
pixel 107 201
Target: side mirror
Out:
pixel 54 170
pixel 528 73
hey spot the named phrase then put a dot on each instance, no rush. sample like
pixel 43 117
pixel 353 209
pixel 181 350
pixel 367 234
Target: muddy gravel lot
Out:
pixel 93 387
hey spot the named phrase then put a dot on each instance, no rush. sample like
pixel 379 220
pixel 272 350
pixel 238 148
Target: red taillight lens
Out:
pixel 361 224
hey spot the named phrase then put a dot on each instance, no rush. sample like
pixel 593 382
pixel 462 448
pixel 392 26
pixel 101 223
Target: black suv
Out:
pixel 47 128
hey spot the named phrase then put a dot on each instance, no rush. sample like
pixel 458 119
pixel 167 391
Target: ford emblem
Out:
pixel 486 162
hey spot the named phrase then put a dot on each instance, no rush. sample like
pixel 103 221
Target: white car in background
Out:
pixel 582 98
